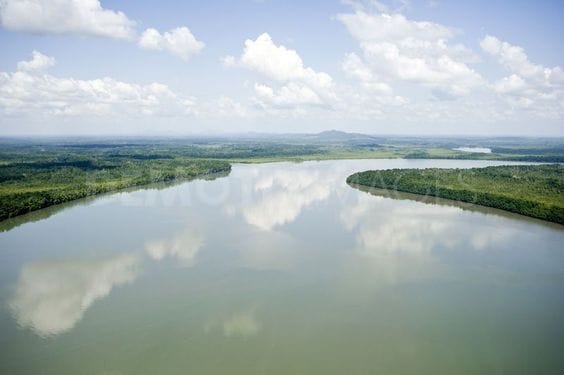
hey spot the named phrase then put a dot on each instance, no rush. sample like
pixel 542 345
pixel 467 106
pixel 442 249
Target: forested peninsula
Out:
pixel 32 185
pixel 532 190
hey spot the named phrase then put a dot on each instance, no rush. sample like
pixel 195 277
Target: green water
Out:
pixel 281 269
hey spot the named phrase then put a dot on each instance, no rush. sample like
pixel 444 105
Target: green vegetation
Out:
pixel 40 172
pixel 31 185
pixel 531 190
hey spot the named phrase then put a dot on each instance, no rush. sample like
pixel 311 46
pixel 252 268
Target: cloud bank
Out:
pixel 83 17
pixel 399 71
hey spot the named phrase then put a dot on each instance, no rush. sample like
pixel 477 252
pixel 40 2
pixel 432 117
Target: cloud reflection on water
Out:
pixel 52 296
pixel 241 324
pixel 284 192
pixel 385 226
pixel 184 247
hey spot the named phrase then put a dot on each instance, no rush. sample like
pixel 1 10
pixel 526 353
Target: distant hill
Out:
pixel 339 136
pixel 328 137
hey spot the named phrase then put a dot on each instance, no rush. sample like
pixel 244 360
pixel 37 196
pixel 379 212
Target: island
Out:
pixel 531 190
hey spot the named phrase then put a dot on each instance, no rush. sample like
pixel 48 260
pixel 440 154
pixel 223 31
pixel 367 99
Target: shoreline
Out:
pixel 441 183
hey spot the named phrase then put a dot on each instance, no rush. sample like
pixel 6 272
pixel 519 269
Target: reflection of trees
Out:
pixel 394 194
pixel 45 213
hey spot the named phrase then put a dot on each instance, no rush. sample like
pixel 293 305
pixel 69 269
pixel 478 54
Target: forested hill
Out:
pixel 531 190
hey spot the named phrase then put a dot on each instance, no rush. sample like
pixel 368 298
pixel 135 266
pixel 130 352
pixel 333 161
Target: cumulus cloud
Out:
pixel 354 67
pixel 226 106
pixel 38 62
pixel 395 47
pixel 300 85
pixel 179 42
pixel 385 27
pixel 407 71
pixel 88 17
pixel 288 96
pixel 299 91
pixel 514 59
pixel 529 86
pixel 280 63
pixel 31 90
pixel 85 17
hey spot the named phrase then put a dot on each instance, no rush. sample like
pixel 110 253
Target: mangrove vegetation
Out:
pixel 531 190
pixel 32 185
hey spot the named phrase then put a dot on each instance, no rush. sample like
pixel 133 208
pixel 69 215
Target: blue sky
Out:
pixel 193 67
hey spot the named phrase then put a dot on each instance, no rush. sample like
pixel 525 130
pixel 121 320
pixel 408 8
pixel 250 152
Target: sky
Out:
pixel 428 67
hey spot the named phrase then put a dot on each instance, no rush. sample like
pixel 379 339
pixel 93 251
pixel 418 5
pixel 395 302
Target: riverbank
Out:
pixel 531 190
pixel 27 187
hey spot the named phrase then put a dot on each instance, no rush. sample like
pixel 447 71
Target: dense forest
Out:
pixel 31 185
pixel 291 147
pixel 531 190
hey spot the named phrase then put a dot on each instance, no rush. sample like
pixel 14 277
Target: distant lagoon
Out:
pixel 481 150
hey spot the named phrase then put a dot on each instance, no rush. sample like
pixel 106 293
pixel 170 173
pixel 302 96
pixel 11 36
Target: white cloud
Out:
pixel 30 90
pixel 225 106
pixel 395 6
pixel 228 61
pixel 368 97
pixel 413 51
pixel 529 86
pixel 85 17
pixel 385 28
pixel 179 42
pixel 38 62
pixel 417 62
pixel 280 63
pixel 354 67
pixel 511 84
pixel 300 85
pixel 514 59
pixel 288 96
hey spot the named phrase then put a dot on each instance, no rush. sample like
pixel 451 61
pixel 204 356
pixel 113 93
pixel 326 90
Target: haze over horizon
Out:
pixel 90 67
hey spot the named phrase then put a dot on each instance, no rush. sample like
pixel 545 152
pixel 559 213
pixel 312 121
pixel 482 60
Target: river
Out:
pixel 281 268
